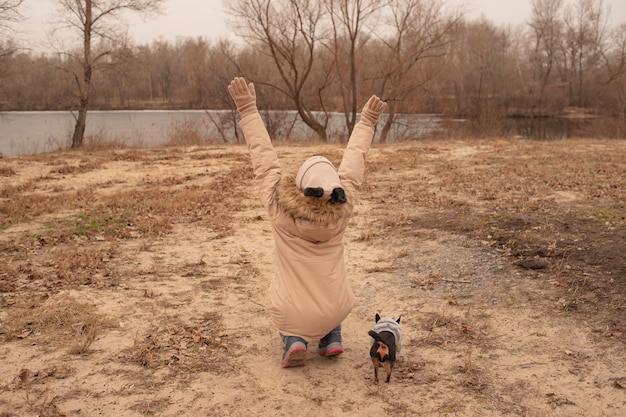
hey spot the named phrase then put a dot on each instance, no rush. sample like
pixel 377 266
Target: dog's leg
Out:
pixel 389 368
pixel 376 365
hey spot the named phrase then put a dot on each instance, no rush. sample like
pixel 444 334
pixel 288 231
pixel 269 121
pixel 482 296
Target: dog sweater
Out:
pixel 387 324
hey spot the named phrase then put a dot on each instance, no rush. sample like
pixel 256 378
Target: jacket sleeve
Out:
pixel 352 168
pixel 267 169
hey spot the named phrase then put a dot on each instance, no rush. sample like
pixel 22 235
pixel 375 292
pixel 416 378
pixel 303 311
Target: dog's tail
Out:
pixel 375 336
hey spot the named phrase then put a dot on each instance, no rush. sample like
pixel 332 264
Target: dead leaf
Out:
pixel 556 401
pixel 24 375
pixel 619 382
pixel 24 334
pixel 198 338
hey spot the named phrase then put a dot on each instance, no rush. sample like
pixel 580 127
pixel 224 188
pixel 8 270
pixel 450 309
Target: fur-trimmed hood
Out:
pixel 293 202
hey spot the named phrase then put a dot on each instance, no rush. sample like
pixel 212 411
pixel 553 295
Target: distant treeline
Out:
pixel 565 60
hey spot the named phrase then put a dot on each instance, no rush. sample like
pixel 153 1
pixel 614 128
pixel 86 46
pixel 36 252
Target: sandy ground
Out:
pixel 164 314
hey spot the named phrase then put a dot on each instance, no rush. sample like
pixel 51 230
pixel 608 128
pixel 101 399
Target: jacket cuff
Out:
pixel 247 109
pixel 369 119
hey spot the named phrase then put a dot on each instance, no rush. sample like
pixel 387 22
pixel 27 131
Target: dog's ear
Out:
pixel 398 321
pixel 314 192
pixel 377 317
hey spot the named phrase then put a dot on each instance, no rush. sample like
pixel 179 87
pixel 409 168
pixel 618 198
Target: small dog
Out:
pixel 386 344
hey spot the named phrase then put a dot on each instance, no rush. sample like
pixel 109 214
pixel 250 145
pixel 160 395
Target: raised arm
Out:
pixel 265 162
pixel 352 168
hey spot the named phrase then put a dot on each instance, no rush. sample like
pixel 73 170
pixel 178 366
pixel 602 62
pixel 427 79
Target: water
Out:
pixel 38 132
pixel 548 127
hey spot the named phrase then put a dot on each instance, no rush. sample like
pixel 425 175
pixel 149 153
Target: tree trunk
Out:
pixel 79 128
pixel 85 83
pixel 312 122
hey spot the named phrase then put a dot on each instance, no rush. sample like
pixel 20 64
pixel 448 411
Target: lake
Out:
pixel 37 132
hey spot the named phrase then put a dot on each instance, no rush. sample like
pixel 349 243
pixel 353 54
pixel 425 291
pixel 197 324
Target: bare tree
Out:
pixel 288 31
pixel 9 14
pixel 419 31
pixel 485 51
pixel 120 83
pixel 194 72
pixel 547 32
pixel 94 21
pixel 162 65
pixel 587 25
pixel 349 19
pixel 615 56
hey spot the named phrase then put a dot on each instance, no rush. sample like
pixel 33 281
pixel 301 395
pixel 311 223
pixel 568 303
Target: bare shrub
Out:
pixel 189 132
pixel 85 333
pixel 6 172
pixel 102 140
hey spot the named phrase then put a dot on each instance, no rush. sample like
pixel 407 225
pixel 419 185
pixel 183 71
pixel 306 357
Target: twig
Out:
pixel 456 281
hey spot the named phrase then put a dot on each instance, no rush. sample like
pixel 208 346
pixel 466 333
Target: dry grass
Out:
pixel 555 209
pixel 171 199
pixel 190 132
pixel 187 348
pixel 37 396
pixel 541 171
pixel 70 238
pixel 6 172
pixel 62 319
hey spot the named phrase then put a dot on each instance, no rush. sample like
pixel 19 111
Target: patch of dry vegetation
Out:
pixel 184 348
pixel 148 208
pixel 557 208
pixel 63 319
pixel 68 239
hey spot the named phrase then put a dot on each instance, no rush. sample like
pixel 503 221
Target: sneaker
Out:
pixel 330 345
pixel 332 349
pixel 295 355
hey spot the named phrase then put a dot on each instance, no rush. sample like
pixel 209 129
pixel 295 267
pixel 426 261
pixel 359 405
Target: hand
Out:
pixel 243 95
pixel 372 111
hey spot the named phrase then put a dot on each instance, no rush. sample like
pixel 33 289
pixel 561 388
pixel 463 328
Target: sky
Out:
pixel 207 18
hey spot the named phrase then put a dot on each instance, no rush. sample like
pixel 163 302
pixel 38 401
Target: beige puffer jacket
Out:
pixel 310 293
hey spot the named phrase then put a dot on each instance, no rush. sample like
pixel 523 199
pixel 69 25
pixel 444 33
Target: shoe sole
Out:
pixel 331 352
pixel 295 357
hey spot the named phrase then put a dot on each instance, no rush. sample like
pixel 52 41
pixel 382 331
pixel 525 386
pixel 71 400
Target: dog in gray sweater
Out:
pixel 386 343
